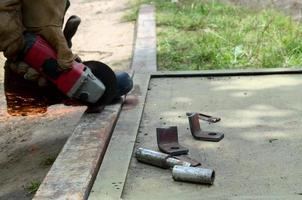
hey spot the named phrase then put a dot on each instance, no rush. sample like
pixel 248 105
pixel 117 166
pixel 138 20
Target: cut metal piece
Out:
pixel 185 158
pixel 167 141
pixel 205 117
pixel 171 161
pixel 193 174
pixel 200 134
pixel 158 159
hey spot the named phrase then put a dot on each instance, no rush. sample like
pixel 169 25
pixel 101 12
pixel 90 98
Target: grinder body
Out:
pixel 77 83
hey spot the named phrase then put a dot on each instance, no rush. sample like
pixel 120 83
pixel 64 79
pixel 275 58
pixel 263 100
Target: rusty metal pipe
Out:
pixel 193 174
pixel 158 159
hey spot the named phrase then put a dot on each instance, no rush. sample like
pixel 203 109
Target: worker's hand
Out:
pixel 54 36
pixel 45 17
pixel 11 28
pixel 29 73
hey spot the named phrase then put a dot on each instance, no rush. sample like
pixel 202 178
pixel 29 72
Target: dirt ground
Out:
pixel 29 144
pixel 290 7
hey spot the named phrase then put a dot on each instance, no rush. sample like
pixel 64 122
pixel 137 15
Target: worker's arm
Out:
pixel 45 18
pixel 11 28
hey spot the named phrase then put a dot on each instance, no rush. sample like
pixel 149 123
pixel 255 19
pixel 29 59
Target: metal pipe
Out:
pixel 193 174
pixel 158 159
pixel 152 157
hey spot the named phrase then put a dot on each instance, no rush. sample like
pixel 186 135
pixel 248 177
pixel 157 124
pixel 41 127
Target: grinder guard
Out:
pixel 87 88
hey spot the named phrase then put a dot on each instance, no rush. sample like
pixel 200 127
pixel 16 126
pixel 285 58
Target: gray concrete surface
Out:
pixel 260 156
pixel 144 53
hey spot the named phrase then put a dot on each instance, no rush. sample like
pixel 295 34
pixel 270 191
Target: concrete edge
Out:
pixel 72 174
pixel 144 53
pixel 113 172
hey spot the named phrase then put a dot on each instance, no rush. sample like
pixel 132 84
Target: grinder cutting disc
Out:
pixel 108 78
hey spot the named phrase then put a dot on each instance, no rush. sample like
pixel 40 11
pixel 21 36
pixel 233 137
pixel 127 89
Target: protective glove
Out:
pixel 29 73
pixel 45 17
pixel 11 28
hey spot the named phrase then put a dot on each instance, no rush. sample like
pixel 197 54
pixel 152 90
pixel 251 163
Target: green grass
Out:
pixel 196 35
pixel 33 186
pixel 49 160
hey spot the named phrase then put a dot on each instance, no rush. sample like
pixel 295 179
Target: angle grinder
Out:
pixel 91 83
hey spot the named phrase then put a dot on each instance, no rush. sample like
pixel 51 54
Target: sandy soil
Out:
pixel 27 142
pixel 111 40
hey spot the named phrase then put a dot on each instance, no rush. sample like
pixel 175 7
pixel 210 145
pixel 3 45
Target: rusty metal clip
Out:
pixel 167 141
pixel 200 134
pixel 205 117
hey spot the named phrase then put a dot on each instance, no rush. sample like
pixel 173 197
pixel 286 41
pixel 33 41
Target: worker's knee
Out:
pixel 124 83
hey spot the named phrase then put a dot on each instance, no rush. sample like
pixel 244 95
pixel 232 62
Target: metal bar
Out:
pixel 223 73
pixel 144 54
pixel 73 172
pixel 114 168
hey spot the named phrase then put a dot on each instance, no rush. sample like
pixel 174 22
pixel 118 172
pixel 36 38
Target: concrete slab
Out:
pixel 260 156
pixel 144 54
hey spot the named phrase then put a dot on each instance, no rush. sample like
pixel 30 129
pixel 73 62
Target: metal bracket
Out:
pixel 200 134
pixel 167 141
pixel 205 117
